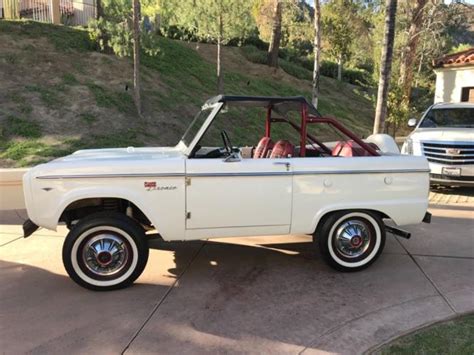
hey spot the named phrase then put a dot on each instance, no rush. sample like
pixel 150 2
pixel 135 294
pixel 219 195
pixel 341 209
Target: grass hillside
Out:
pixel 59 94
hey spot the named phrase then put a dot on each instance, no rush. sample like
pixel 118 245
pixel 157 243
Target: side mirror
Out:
pixel 412 122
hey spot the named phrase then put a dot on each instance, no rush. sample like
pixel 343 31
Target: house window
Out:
pixel 467 94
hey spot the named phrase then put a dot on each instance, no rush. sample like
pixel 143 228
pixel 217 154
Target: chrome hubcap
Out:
pixel 105 254
pixel 352 238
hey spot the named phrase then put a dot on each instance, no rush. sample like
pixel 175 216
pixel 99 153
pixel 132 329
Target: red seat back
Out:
pixel 263 148
pixel 282 149
pixel 348 149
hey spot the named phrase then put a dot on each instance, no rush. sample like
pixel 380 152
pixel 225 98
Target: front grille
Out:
pixel 452 178
pixel 449 153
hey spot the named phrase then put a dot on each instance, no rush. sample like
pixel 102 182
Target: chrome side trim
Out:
pixel 350 172
pixel 243 174
pixel 269 173
pixel 105 176
pixel 320 172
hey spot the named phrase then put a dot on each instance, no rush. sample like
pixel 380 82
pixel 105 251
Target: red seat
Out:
pixel 282 149
pixel 263 147
pixel 348 149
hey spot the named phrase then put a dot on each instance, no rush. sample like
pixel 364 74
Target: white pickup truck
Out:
pixel 206 187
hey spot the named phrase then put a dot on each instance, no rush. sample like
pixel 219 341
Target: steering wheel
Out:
pixel 226 141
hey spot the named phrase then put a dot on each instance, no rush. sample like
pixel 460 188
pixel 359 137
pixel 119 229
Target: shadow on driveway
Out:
pixel 252 295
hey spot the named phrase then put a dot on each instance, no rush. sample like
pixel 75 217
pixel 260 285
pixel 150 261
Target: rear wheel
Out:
pixel 105 251
pixel 351 240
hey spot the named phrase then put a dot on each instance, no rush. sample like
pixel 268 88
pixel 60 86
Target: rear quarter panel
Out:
pixel 397 186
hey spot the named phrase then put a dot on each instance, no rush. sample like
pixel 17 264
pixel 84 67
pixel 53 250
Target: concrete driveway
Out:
pixel 254 295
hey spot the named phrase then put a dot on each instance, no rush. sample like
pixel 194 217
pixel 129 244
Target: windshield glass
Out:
pixel 449 117
pixel 195 125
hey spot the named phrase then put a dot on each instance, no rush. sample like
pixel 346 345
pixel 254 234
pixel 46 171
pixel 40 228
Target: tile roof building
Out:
pixel 455 77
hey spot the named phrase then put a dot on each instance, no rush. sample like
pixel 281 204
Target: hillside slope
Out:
pixel 59 94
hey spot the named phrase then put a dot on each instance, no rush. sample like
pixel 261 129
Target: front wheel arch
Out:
pixel 84 207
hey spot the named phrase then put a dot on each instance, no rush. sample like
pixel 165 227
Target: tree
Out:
pixel 386 66
pixel 114 30
pixel 136 56
pixel 272 58
pixel 217 21
pixel 99 9
pixel 338 22
pixel 317 52
pixel 119 28
pixel 409 50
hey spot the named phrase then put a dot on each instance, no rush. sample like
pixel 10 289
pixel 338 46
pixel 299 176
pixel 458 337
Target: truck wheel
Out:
pixel 105 251
pixel 350 240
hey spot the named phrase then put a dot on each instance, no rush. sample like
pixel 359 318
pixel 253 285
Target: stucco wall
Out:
pixel 450 81
pixel 11 189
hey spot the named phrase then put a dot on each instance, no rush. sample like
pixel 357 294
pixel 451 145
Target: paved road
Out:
pixel 254 295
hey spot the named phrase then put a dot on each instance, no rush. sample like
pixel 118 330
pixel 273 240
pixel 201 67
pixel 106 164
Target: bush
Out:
pixel 296 70
pixel 328 68
pixel 302 67
pixel 357 76
pixel 256 42
pixel 23 128
pixel 254 55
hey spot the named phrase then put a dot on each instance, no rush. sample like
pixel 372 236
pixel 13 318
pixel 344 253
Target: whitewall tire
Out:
pixel 350 240
pixel 105 251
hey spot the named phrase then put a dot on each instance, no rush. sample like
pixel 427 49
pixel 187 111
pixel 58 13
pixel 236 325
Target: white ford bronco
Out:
pixel 287 177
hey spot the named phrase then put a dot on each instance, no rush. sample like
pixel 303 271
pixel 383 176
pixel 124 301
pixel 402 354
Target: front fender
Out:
pixel 163 207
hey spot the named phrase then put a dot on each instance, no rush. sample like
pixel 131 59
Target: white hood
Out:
pixel 443 134
pixel 125 154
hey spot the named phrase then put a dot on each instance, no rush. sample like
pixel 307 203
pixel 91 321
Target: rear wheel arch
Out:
pixel 328 214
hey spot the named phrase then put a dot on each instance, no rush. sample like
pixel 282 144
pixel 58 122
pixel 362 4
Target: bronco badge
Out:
pixel 151 186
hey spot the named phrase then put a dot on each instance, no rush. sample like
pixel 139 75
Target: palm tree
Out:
pixel 317 51
pixel 136 56
pixel 386 66
pixel 272 58
pixel 409 51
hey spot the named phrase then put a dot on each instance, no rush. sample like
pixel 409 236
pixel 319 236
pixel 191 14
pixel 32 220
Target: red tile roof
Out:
pixel 460 59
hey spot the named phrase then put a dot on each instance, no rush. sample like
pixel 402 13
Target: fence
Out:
pixel 70 12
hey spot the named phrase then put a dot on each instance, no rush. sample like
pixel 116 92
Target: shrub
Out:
pixel 254 55
pixel 20 127
pixel 296 70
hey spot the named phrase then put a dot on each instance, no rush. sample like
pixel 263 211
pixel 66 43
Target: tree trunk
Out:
pixel 317 52
pixel 220 77
pixel 136 56
pixel 272 57
pixel 339 67
pixel 99 9
pixel 409 51
pixel 386 66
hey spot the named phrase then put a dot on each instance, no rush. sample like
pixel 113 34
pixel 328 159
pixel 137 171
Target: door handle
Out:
pixel 285 163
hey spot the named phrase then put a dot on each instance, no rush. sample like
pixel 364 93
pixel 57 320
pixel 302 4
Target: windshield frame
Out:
pixel 187 149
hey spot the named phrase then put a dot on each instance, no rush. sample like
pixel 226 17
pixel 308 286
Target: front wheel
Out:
pixel 105 251
pixel 351 240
